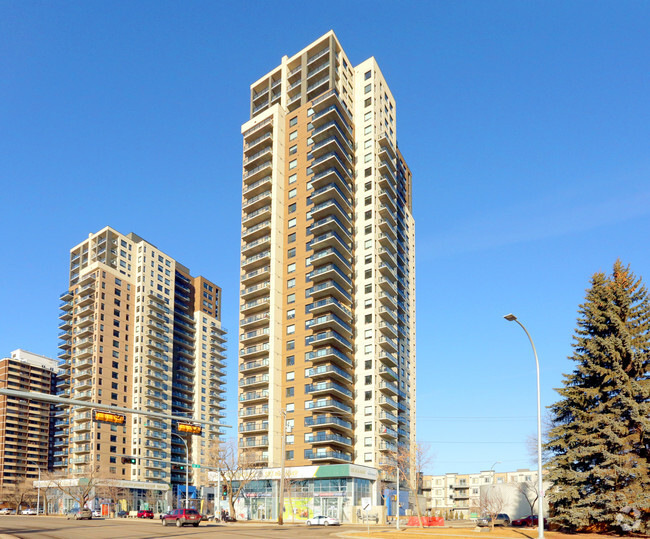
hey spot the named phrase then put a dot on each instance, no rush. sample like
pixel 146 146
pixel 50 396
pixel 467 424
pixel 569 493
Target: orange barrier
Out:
pixel 426 521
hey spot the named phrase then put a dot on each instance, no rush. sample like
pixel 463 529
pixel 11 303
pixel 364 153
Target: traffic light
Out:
pixel 108 417
pixel 224 492
pixel 128 460
pixel 190 428
pixel 178 467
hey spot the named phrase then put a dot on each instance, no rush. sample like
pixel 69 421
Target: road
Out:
pixel 33 527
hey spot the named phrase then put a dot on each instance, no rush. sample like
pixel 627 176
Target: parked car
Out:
pixel 97 513
pixel 180 517
pixel 7 511
pixel 80 514
pixel 323 521
pixel 145 513
pixel 501 520
pixel 122 514
pixel 28 511
pixel 530 520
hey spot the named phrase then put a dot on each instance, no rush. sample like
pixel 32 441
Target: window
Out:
pixel 368 319
pixel 367 130
pixel 291 376
pixel 291 298
pixel 292 222
pixel 293 164
pixel 367 350
pixel 291 329
pixel 367 75
pixel 291 314
pixel 368 395
pixel 368 363
pixel 293 193
pixel 368 215
pixel 291 267
pixel 289 392
pixel 293 149
pixel 368 259
pixel 291 360
pixel 290 407
pixel 367 457
pixel 292 207
pixel 367 427
pixel 289 455
pixel 367 173
pixel 367 441
pixel 368 274
pixel 291 345
pixel 367 116
pixel 368 334
pixel 367 89
pixel 368 379
pixel 367 144
pixel 292 237
pixel 367 158
pixel 293 135
pixel 367 229
pixel 291 283
pixel 293 178
pixel 291 252
pixel 293 121
pixel 367 410
pixel 367 102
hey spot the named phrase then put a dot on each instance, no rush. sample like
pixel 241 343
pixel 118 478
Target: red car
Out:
pixel 530 520
pixel 180 517
pixel 145 513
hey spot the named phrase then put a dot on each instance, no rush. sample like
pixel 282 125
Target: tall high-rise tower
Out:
pixel 138 331
pixel 327 325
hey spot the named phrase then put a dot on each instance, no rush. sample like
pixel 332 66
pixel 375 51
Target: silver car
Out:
pixel 501 520
pixel 323 521
pixel 80 514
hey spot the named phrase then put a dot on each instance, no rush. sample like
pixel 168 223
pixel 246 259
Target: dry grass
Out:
pixel 497 533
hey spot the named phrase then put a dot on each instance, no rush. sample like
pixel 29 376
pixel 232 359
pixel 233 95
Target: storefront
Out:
pixel 334 490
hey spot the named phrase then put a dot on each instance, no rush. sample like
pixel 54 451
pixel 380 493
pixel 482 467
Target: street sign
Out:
pixel 196 465
pixel 365 503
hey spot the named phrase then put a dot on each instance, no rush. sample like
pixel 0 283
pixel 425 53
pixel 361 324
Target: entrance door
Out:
pixel 331 507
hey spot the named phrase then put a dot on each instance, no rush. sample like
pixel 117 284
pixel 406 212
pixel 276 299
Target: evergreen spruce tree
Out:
pixel 600 440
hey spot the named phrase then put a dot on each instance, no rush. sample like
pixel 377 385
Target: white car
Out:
pixel 29 511
pixel 97 513
pixel 323 521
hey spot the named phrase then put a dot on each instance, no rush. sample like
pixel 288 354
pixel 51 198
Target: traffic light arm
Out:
pixel 53 399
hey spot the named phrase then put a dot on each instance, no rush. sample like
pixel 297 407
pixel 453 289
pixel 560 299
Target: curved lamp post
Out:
pixel 540 498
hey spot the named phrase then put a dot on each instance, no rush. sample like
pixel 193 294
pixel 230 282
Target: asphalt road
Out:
pixel 33 527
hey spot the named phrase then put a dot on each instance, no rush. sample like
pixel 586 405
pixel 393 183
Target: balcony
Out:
pixel 254 441
pixel 253 381
pixel 255 305
pixel 255 246
pixel 388 387
pixel 256 260
pixel 334 456
pixel 387 373
pixel 387 432
pixel 327 421
pixel 387 446
pixel 330 321
pixel 255 320
pixel 254 411
pixel 254 396
pixel 257 216
pixel 329 388
pixel 328 337
pixel 387 417
pixel 255 335
pixel 388 314
pixel 389 344
pixel 323 405
pixel 329 371
pixel 387 402
pixel 330 223
pixel 329 288
pixel 254 145
pixel 251 366
pixel 261 426
pixel 330 304
pixel 253 232
pixel 258 172
pixel 331 272
pixel 328 354
pixel 256 290
pixel 387 358
pixel 254 159
pixel 256 275
pixel 329 439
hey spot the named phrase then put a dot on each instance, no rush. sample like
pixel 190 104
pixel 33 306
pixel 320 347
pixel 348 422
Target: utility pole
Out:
pixel 397 496
pixel 187 470
pixel 281 491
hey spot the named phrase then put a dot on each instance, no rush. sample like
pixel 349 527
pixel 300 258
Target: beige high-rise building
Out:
pixel 327 324
pixel 139 332
pixel 26 427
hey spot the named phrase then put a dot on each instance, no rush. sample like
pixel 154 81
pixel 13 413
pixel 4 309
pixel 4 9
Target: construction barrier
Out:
pixel 426 521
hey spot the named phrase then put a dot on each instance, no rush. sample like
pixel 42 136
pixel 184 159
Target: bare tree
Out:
pixel 235 466
pixel 530 492
pixel 409 463
pixel 110 489
pixel 492 503
pixel 79 489
pixel 19 492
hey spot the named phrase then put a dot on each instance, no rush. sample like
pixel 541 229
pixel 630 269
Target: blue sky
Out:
pixel 526 125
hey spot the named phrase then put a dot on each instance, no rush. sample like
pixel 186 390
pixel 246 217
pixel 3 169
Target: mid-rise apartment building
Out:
pixel 461 493
pixel 138 331
pixel 26 426
pixel 327 324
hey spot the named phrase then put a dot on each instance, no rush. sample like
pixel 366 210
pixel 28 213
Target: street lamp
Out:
pixel 492 469
pixel 38 490
pixel 540 504
pixel 187 470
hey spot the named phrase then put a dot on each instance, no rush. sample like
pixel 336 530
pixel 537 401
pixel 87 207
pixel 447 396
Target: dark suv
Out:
pixel 180 517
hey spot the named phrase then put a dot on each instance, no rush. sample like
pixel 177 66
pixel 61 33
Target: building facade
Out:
pixel 26 426
pixel 137 331
pixel 327 325
pixel 461 493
